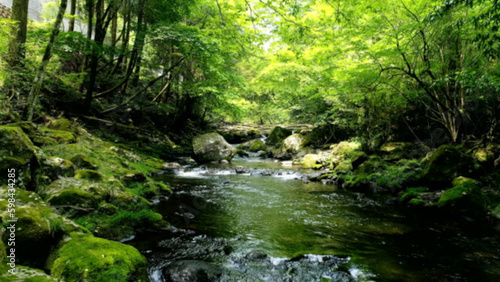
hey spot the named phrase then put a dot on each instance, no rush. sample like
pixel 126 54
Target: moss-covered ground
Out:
pixel 85 193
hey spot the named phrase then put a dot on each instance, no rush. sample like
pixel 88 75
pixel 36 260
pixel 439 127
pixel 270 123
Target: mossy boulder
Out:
pixel 372 165
pixel 82 161
pixel 48 136
pixel 465 196
pixel 107 208
pixel 38 229
pixel 28 127
pixel 128 201
pixel 55 167
pixel 345 147
pixel 89 174
pixel 277 135
pixel 17 152
pixel 294 143
pixel 149 189
pixel 256 145
pixel 447 163
pixel 23 197
pixel 133 176
pixel 59 124
pixel 212 147
pixel 87 258
pixel 27 274
pixel 485 157
pixel 357 158
pixel 343 167
pixel 311 161
pixel 412 193
pixel 74 197
pixel 77 192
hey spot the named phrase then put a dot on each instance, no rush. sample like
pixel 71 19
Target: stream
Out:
pixel 255 220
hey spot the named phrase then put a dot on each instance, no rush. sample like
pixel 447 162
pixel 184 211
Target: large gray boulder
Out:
pixel 294 143
pixel 212 147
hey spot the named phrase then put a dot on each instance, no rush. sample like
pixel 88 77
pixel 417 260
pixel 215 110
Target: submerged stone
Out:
pixel 171 165
pixel 191 270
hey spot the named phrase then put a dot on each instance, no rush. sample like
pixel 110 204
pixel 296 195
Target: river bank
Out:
pixel 77 191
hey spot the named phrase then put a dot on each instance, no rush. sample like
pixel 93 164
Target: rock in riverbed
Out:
pixel 212 147
pixel 191 270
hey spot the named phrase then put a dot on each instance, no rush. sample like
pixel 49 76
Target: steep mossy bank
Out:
pixel 453 179
pixel 76 195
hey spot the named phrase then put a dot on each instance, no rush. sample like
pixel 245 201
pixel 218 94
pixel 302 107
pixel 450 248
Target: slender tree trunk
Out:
pixel 138 44
pixel 16 46
pixel 99 35
pixel 114 27
pixel 90 17
pixel 72 13
pixel 125 38
pixel 37 83
pixel 89 5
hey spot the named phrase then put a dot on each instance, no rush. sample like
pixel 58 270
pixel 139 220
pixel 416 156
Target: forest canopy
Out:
pixel 386 69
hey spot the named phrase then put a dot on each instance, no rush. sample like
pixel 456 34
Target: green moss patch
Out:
pixel 89 175
pixel 82 161
pixel 120 224
pixel 59 124
pixel 447 163
pixel 465 196
pixel 90 258
pixel 60 136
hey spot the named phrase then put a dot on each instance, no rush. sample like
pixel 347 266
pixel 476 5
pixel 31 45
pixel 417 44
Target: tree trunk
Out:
pixel 99 36
pixel 114 26
pixel 125 37
pixel 138 43
pixel 16 46
pixel 90 17
pixel 72 14
pixel 37 83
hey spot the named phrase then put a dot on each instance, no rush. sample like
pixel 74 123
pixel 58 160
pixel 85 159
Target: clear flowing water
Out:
pixel 265 223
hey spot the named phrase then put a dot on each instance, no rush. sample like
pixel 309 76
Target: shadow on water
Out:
pixel 267 224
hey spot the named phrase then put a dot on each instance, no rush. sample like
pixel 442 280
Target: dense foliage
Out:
pixel 408 70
